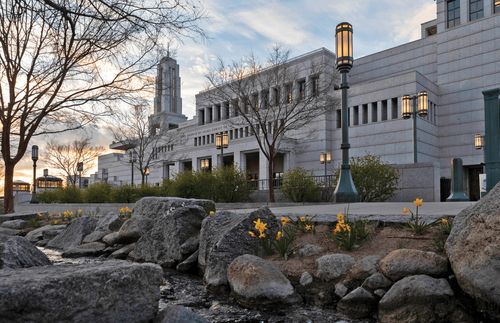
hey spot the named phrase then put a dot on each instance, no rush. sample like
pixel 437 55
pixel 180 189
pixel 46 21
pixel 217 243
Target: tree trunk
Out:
pixel 143 183
pixel 270 171
pixel 8 199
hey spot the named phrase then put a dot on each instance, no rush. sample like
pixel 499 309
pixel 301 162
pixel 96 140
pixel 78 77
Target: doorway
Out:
pixel 473 181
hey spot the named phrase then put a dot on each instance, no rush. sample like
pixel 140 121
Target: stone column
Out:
pixel 379 111
pixel 238 158
pixel 195 164
pixel 263 183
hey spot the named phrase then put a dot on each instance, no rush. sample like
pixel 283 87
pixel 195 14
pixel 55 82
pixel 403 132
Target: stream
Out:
pixel 189 291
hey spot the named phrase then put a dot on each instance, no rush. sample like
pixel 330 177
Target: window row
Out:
pixel 379 111
pixel 161 149
pixel 287 94
pixel 475 9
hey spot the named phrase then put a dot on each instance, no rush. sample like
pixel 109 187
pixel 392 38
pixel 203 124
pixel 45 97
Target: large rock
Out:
pixel 473 249
pixel 18 252
pixel 123 252
pixel 73 235
pixel 418 298
pixel 408 262
pixel 172 237
pixel 376 281
pixel 9 232
pixel 45 232
pixel 257 283
pixel 224 237
pixel 178 314
pixel 333 266
pixel 15 224
pixel 361 270
pixel 112 291
pixel 358 304
pixel 105 225
pixel 91 249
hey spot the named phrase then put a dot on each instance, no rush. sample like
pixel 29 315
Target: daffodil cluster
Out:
pixel 416 224
pixel 341 225
pixel 125 212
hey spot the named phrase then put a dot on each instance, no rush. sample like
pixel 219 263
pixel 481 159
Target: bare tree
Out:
pixel 66 157
pixel 133 131
pixel 275 99
pixel 65 63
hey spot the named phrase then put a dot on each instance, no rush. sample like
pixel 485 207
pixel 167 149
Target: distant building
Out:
pixel 21 191
pixel 456 59
pixel 44 183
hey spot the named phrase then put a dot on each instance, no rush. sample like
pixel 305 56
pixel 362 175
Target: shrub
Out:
pixel 185 185
pixel 124 194
pixel 374 180
pixel 299 186
pixel 69 194
pixel 98 193
pixel 148 190
pixel 230 185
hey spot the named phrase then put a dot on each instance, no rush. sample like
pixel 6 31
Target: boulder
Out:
pixel 111 239
pixel 257 283
pixel 408 262
pixel 178 314
pixel 47 232
pixel 340 290
pixel 74 233
pixel 172 237
pixel 123 252
pixel 473 248
pixel 18 252
pixel 111 291
pixel 362 269
pixel 376 281
pixel 224 237
pixel 333 266
pixel 132 229
pixel 9 232
pixel 92 249
pixel 309 250
pixel 419 298
pixel 191 263
pixel 359 303
pixel 305 279
pixel 105 225
pixel 15 224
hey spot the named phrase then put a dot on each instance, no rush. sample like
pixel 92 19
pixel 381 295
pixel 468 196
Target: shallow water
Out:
pixel 189 291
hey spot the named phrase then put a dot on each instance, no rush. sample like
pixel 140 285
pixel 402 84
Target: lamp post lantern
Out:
pixel 146 173
pixel 221 142
pixel 132 159
pixel 79 168
pixel 420 108
pixel 478 141
pixel 345 192
pixel 34 157
pixel 325 158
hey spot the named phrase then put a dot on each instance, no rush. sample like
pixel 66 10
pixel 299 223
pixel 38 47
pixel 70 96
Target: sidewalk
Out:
pixel 385 211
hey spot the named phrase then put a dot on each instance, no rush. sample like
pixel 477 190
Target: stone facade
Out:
pixel 453 64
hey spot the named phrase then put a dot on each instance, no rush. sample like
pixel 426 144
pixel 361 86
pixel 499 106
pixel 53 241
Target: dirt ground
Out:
pixel 381 241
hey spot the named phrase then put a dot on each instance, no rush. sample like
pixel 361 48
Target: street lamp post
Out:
pixel 325 158
pixel 34 157
pixel 132 160
pixel 221 142
pixel 146 173
pixel 420 108
pixel 79 168
pixel 345 192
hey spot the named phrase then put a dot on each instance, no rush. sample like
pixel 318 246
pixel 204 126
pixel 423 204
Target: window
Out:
pixel 453 13
pixel 394 108
pixel 374 112
pixel 235 107
pixel 226 107
pixel 277 96
pixel 212 138
pixel 365 114
pixel 339 119
pixel 315 86
pixel 218 113
pixel 475 9
pixel 255 101
pixel 384 110
pixel 288 93
pixel 230 134
pixel 264 99
pixel 201 113
pixel 496 6
pixel 210 115
pixel 356 116
pixel 302 89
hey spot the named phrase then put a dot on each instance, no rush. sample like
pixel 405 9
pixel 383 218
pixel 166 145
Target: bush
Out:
pixel 98 193
pixel 185 185
pixel 299 186
pixel 230 185
pixel 124 194
pixel 69 194
pixel 374 180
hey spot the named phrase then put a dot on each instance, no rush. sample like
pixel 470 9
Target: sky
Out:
pixel 238 28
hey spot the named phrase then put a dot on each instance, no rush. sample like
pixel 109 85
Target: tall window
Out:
pixel 496 6
pixel 453 13
pixel 315 85
pixel 475 9
pixel 302 89
pixel 289 93
pixel 277 96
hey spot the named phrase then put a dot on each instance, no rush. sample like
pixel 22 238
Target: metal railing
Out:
pixel 263 184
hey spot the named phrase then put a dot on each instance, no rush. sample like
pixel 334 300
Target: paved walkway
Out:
pixel 387 211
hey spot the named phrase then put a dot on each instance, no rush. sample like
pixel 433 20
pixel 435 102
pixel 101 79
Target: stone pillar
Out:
pixel 263 183
pixel 207 113
pixel 379 111
pixel 237 157
pixel 215 116
pixel 195 164
pixel 492 133
pixel 223 115
pixel 457 182
pixel 216 159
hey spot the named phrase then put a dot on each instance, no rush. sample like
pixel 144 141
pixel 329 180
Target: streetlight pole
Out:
pixel 34 157
pixel 420 109
pixel 79 168
pixel 345 192
pixel 325 158
pixel 146 173
pixel 132 161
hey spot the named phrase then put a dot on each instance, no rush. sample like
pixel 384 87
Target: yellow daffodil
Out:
pixel 279 235
pixel 285 220
pixel 260 226
pixel 302 219
pixel 251 233
pixel 308 227
pixel 418 202
pixel 444 221
pixel 262 235
pixel 211 213
pixel 340 217
pixel 406 211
